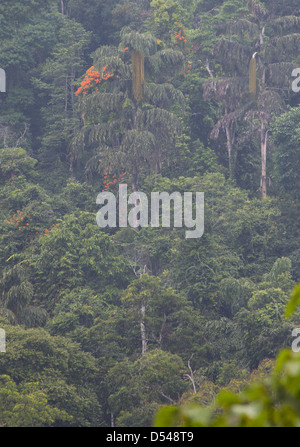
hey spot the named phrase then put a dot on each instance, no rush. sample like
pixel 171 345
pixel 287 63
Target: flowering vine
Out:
pixel 92 79
pixel 179 36
pixel 18 220
pixel 48 230
pixel 111 180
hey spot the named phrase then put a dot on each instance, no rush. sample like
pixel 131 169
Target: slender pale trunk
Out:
pixel 191 376
pixel 135 181
pixel 66 94
pixel 143 330
pixel 73 74
pixel 161 331
pixel 229 149
pixel 263 145
pixel 262 36
pixel 71 170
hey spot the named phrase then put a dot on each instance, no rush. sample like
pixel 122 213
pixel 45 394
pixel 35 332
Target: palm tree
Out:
pixel 257 92
pixel 128 123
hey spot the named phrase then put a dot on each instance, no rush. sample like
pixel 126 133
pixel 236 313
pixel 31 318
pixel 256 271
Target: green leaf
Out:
pixel 294 302
pixel 166 417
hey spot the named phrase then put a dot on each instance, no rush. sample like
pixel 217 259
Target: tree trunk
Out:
pixel 135 180
pixel 263 145
pixel 191 377
pixel 230 151
pixel 262 36
pixel 143 330
pixel 73 75
pixel 71 170
pixel 66 94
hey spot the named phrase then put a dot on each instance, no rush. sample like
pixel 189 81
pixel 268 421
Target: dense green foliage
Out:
pixel 105 327
pixel 270 400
